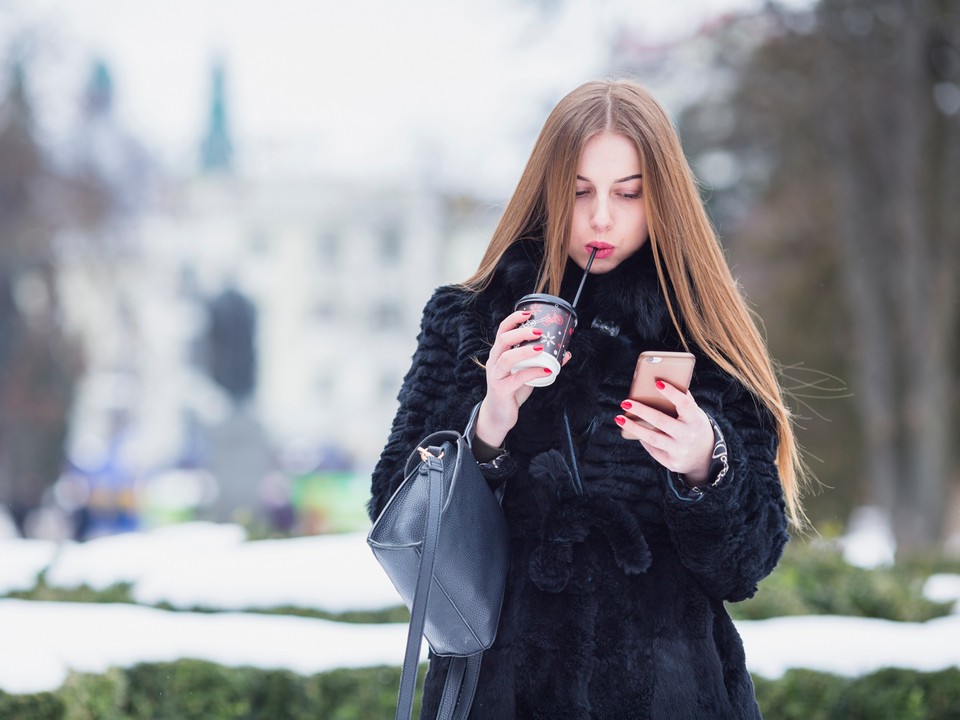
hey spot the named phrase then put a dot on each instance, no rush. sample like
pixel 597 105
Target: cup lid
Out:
pixel 548 299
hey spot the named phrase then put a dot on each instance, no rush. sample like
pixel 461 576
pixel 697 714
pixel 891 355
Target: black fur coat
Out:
pixel 614 600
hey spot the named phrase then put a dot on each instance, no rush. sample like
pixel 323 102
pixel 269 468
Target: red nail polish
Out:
pixel 626 404
pixel 538 332
pixel 548 371
pixel 620 420
pixel 660 385
pixel 526 312
pixel 538 348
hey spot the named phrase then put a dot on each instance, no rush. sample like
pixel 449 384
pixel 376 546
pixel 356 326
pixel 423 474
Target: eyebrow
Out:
pixel 638 176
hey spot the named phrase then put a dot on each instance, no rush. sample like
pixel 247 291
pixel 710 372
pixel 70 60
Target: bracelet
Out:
pixel 719 463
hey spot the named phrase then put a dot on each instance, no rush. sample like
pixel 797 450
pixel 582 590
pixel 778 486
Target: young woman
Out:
pixel 614 600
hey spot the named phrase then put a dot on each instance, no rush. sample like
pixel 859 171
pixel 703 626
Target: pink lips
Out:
pixel 603 249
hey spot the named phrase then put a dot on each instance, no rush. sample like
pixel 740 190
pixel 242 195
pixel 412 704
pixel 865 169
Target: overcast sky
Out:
pixel 362 86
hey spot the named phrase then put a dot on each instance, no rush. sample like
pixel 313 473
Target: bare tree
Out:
pixel 39 364
pixel 847 127
pixel 896 172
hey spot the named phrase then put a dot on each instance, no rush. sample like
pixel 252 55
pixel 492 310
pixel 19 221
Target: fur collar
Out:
pixel 625 300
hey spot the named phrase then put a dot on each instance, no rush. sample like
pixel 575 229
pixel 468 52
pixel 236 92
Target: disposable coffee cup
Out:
pixel 557 319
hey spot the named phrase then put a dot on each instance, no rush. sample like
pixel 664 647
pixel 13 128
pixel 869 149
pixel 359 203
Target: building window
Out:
pixel 325 310
pixel 389 384
pixel 328 247
pixel 390 243
pixel 386 314
pixel 258 242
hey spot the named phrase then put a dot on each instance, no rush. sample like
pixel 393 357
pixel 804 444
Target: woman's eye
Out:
pixel 632 196
pixel 582 193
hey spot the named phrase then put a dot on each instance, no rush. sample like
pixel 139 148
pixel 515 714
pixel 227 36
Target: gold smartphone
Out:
pixel 675 368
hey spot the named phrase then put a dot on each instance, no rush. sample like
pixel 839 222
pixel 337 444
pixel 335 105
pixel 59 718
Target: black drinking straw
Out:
pixel 586 272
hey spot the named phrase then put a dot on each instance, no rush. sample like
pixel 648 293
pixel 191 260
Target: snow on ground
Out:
pixel 943 587
pixel 847 645
pixel 869 541
pixel 21 561
pixel 49 638
pixel 128 557
pixel 333 573
pixel 211 566
pixel 208 565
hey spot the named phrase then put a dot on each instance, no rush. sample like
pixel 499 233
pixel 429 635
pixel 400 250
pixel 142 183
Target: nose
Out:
pixel 601 220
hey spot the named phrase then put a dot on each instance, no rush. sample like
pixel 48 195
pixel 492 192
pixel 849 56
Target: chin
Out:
pixel 600 267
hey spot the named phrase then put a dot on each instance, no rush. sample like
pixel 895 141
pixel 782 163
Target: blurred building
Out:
pixel 246 321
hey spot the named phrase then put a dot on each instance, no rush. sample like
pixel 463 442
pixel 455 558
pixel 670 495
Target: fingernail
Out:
pixel 538 332
pixel 526 312
pixel 620 420
pixel 626 404
pixel 537 348
pixel 660 385
pixel 548 371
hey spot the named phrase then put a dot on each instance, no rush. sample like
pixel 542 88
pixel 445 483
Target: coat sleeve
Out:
pixel 438 392
pixel 732 536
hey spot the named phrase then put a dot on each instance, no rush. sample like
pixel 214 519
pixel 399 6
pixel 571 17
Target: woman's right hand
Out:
pixel 506 392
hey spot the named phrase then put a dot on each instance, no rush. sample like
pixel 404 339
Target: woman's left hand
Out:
pixel 683 444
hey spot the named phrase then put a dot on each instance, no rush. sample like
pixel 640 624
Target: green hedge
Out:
pixel 195 690
pixel 890 694
pixel 813 579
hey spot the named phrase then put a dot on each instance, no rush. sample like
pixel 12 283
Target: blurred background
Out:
pixel 220 220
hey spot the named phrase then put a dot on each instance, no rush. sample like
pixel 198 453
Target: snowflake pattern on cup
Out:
pixel 556 319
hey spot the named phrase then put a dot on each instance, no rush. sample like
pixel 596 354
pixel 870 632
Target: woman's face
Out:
pixel 608 211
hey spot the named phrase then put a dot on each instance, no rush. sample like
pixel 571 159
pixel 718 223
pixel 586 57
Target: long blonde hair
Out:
pixel 690 263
